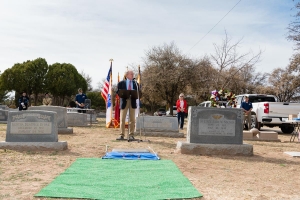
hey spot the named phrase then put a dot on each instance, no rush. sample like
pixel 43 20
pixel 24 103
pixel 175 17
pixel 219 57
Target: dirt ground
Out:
pixel 269 174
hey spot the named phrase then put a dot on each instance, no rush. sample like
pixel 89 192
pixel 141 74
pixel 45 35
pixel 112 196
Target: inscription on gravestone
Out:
pixel 31 128
pixel 217 125
pixel 156 124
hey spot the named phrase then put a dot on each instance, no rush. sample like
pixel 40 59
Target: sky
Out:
pixel 88 33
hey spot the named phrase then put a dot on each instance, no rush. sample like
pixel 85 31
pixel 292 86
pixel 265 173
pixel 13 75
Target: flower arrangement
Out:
pixel 222 95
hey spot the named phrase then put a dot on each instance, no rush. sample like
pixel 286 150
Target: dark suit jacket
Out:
pixel 122 86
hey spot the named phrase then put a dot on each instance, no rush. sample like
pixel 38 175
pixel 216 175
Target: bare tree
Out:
pixel 227 59
pixel 201 79
pixel 166 72
pixel 294 27
pixel 246 80
pixel 88 80
pixel 99 86
pixel 285 83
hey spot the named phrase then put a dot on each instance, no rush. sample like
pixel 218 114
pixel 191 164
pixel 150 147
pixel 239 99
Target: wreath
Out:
pixel 222 95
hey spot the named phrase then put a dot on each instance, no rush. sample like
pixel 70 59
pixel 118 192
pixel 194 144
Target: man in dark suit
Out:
pixel 129 103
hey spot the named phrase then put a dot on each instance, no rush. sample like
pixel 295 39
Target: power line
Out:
pixel 215 25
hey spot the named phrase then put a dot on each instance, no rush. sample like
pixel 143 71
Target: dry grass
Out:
pixel 269 174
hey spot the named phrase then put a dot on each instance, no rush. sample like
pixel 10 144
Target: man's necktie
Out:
pixel 129 86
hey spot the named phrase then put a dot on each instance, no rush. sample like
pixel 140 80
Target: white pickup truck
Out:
pixel 268 112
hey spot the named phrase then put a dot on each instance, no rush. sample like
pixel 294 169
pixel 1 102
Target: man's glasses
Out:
pixel 180 96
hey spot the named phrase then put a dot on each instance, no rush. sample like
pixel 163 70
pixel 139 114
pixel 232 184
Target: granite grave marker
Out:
pixel 62 122
pixel 158 126
pixel 215 131
pixel 215 126
pixel 3 116
pixel 33 126
pixel 77 119
pixel 32 130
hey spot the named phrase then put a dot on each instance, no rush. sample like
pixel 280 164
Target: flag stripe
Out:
pixel 105 89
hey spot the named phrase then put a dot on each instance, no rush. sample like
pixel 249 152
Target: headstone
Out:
pixel 215 126
pixel 266 136
pixel 77 119
pixel 94 117
pixel 33 126
pixel 3 116
pixel 158 126
pixel 32 130
pixel 215 131
pixel 88 113
pixel 62 122
pixel 101 114
pixel 247 135
pixel 4 107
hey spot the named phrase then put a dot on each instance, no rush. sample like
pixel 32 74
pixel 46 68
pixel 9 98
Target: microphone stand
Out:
pixel 138 140
pixel 129 121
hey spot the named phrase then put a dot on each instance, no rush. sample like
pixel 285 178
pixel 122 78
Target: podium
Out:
pixel 125 94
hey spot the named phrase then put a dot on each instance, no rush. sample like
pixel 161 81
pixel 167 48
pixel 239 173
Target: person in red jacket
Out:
pixel 181 106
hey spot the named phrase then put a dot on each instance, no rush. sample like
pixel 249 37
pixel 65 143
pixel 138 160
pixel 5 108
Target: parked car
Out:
pixel 205 104
pixel 174 111
pixel 160 112
pixel 222 104
pixel 267 111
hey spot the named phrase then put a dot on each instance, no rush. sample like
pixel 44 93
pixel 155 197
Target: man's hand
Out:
pixel 247 112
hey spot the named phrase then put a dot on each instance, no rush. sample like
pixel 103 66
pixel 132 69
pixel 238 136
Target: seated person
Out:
pixel 47 101
pixel 23 101
pixel 79 100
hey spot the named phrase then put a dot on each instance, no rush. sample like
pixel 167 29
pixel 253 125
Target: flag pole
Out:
pixel 112 102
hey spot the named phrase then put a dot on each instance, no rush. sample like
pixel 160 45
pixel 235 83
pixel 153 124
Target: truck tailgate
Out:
pixel 281 109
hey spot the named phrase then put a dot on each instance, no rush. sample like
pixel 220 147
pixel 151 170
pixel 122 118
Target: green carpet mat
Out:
pixel 94 178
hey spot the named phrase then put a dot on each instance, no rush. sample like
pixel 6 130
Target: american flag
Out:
pixel 105 88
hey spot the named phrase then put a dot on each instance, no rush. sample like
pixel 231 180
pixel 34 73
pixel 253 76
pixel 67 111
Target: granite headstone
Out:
pixel 62 122
pixel 4 107
pixel 158 126
pixel 94 117
pixel 215 131
pixel 215 126
pixel 32 130
pixel 3 116
pixel 32 126
pixel 77 119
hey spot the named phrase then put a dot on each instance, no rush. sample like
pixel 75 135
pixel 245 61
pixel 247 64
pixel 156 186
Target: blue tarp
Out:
pixel 131 156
